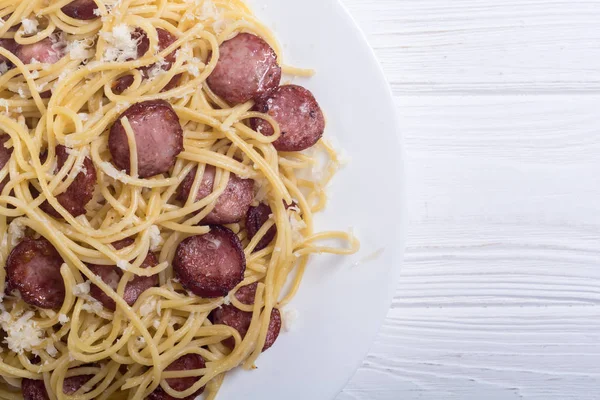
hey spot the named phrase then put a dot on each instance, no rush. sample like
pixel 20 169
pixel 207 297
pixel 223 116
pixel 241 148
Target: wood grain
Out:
pixel 499 297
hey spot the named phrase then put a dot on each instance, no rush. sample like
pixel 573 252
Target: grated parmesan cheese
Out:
pixel 81 289
pixel 297 225
pixel 152 304
pixel 155 238
pixel 30 26
pixel 290 318
pixel 214 243
pixel 124 265
pixel 22 333
pixel 63 318
pixel 157 69
pixel 16 230
pixel 78 50
pixel 121 46
pixel 51 350
pixel 92 305
pixel 227 300
pixel 3 67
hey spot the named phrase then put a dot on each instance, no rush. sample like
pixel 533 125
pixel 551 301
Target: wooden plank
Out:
pixel 475 46
pixel 499 295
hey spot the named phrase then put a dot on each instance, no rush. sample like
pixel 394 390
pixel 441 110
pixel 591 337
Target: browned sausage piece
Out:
pixel 4 157
pixel 33 268
pixel 79 193
pixel 210 265
pixel 158 136
pixel 111 275
pixel 36 390
pixel 240 320
pixel 247 69
pixel 187 362
pixel 10 45
pixel 298 114
pixel 233 203
pixel 165 39
pixel 44 51
pixel 255 219
pixel 81 9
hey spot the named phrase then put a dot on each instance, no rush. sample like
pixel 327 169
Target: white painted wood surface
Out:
pixel 499 297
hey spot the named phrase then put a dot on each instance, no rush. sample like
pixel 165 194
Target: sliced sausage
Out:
pixel 81 190
pixel 158 136
pixel 165 39
pixel 10 45
pixel 187 362
pixel 240 320
pixel 255 219
pixel 33 268
pixel 74 383
pixel 81 9
pixel 298 114
pixel 210 265
pixel 36 390
pixel 231 206
pixel 45 51
pixel 5 155
pixel 111 275
pixel 122 84
pixel 247 69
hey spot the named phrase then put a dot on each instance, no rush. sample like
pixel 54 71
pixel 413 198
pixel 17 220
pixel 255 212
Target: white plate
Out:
pixel 340 305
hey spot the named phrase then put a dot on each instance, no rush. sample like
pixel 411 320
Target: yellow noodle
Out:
pixel 166 322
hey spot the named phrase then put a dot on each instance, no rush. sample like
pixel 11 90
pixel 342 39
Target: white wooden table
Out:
pixel 499 297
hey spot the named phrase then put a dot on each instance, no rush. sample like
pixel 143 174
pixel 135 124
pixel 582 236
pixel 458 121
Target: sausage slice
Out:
pixel 158 135
pixel 298 114
pixel 247 69
pixel 240 320
pixel 80 192
pixel 10 45
pixel 36 390
pixel 33 268
pixel 187 362
pixel 81 9
pixel 233 203
pixel 255 219
pixel 111 275
pixel 45 51
pixel 165 39
pixel 210 265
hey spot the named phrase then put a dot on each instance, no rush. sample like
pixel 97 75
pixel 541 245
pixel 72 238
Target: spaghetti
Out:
pixel 125 353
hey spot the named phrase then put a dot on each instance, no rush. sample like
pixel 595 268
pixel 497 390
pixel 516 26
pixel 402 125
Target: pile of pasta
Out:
pixel 127 351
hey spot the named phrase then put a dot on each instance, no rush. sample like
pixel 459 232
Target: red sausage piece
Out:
pixel 4 157
pixel 10 45
pixel 81 9
pixel 210 265
pixel 187 362
pixel 158 135
pixel 247 69
pixel 298 114
pixel 233 203
pixel 111 275
pixel 36 390
pixel 44 51
pixel 33 268
pixel 255 219
pixel 80 192
pixel 240 320
pixel 165 39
